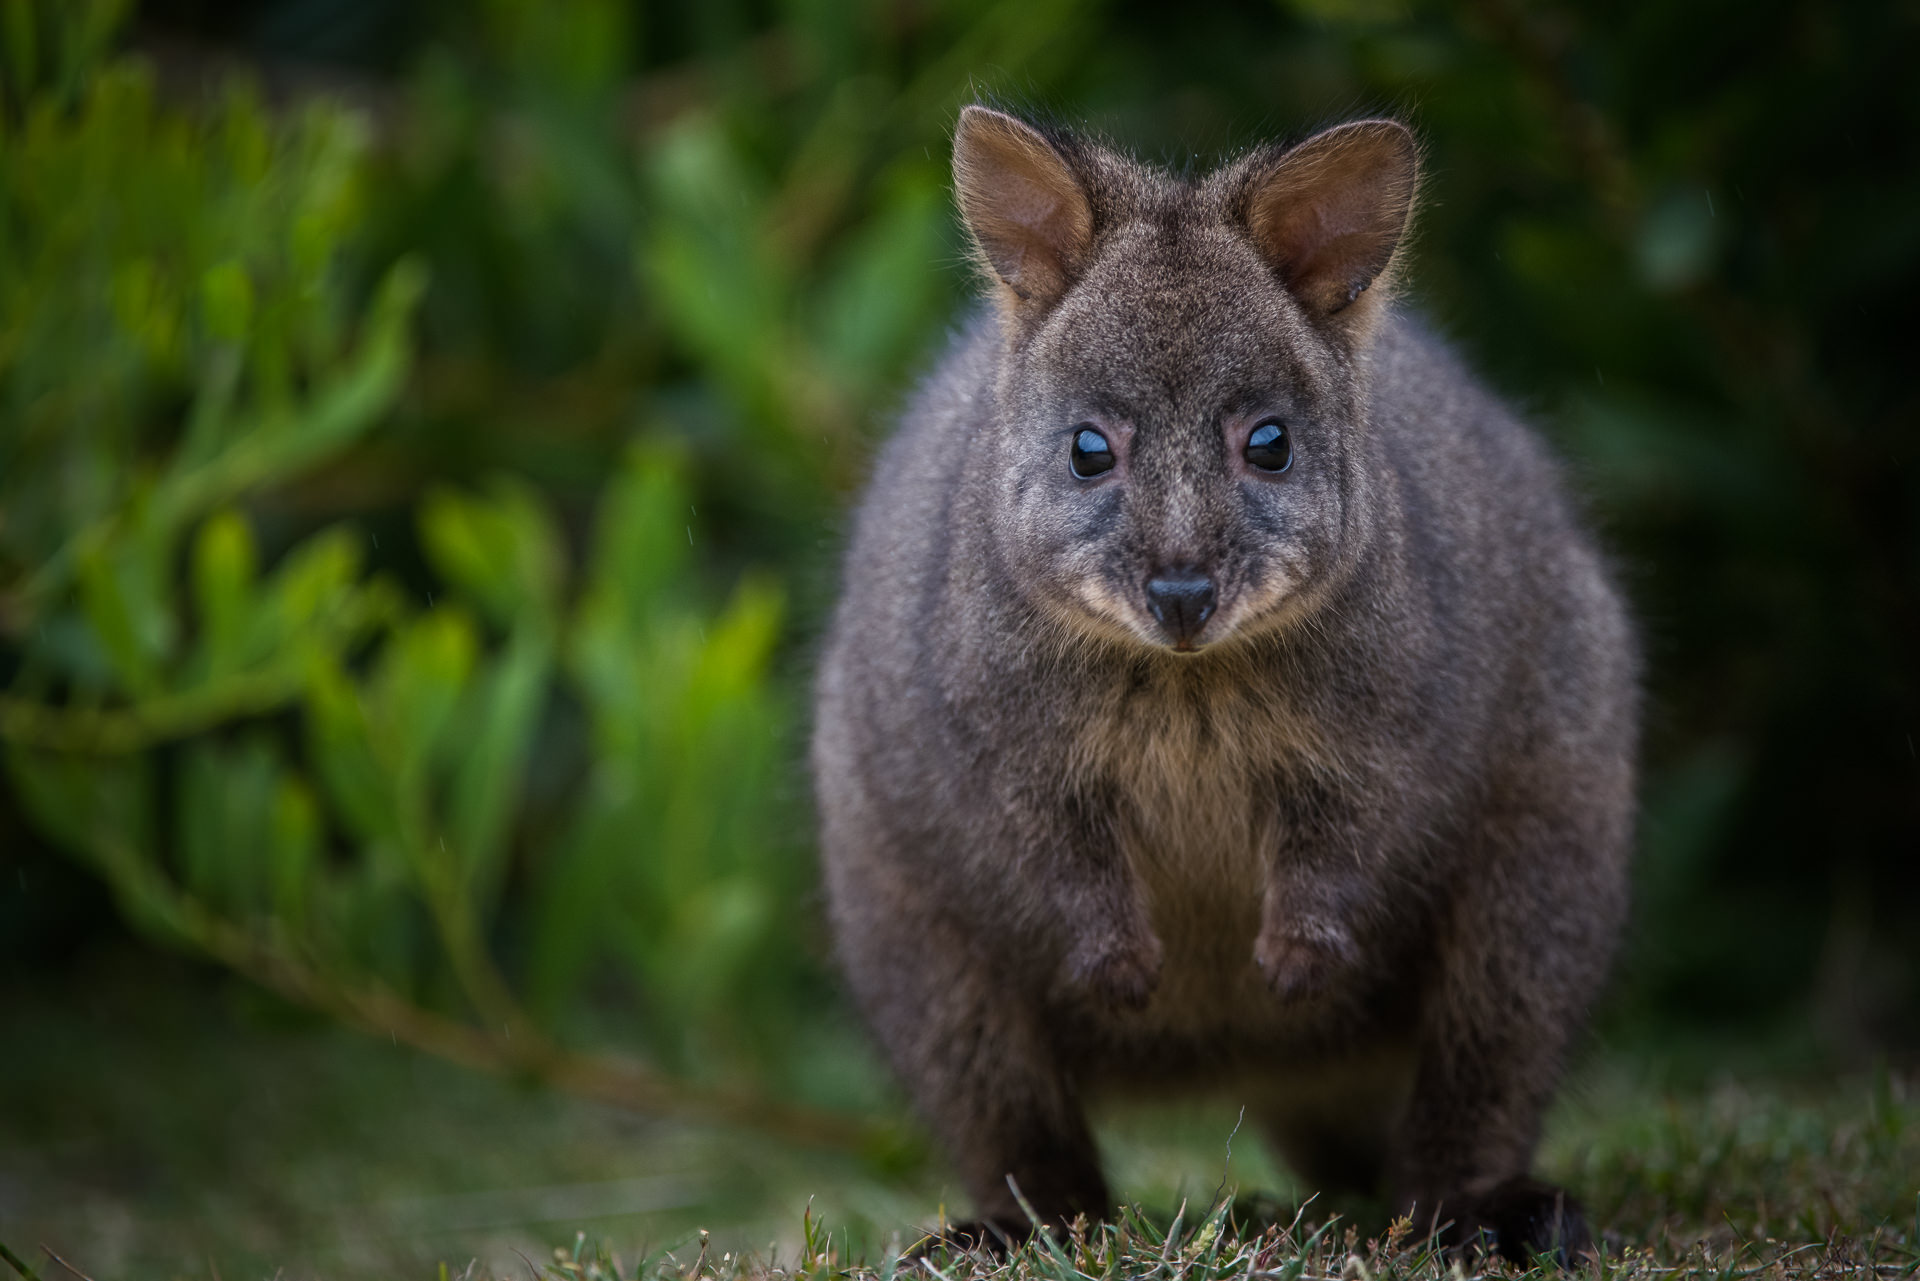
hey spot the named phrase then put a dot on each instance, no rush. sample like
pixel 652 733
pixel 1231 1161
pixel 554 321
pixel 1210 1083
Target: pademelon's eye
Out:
pixel 1268 447
pixel 1092 455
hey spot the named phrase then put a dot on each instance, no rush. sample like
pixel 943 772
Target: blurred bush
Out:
pixel 288 760
pixel 273 626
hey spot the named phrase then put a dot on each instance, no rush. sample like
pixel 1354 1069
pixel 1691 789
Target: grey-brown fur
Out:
pixel 1359 857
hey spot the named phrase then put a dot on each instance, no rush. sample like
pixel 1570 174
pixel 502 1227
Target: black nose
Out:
pixel 1183 602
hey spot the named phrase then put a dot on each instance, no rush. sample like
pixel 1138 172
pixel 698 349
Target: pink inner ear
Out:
pixel 1330 214
pixel 1329 250
pixel 1350 212
pixel 1023 204
pixel 1030 223
pixel 1032 205
pixel 1029 228
pixel 1334 264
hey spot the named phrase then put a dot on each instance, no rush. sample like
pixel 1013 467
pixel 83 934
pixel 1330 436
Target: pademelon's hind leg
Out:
pixel 977 1056
pixel 1524 953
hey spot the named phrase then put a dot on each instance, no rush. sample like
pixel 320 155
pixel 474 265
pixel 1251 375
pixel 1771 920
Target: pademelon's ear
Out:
pixel 1026 209
pixel 1329 213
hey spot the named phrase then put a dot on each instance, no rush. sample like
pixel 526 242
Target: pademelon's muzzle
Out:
pixel 1181 601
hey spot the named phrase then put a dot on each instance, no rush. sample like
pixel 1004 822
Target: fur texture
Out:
pixel 1355 851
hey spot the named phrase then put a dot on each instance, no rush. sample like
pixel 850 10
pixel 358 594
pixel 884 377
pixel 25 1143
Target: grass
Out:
pixel 1215 1247
pixel 1721 1184
pixel 152 1125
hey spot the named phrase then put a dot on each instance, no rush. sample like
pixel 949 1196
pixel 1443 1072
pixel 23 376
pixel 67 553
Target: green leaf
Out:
pixel 641 544
pixel 487 779
pixel 344 406
pixel 502 550
pixel 224 824
pixel 317 580
pixel 733 662
pixel 416 687
pixel 884 296
pixel 340 743
pixel 225 564
pixel 146 309
pixel 226 301
pixel 121 615
pixel 294 839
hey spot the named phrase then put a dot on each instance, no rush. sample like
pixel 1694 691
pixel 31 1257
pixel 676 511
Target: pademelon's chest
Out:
pixel 1195 773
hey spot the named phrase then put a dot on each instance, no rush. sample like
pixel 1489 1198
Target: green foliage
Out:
pixel 700 919
pixel 281 755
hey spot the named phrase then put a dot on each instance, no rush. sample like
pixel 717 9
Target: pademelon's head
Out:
pixel 1180 405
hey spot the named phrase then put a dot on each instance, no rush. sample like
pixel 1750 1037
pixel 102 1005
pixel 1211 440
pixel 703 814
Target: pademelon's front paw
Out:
pixel 1299 957
pixel 1120 973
